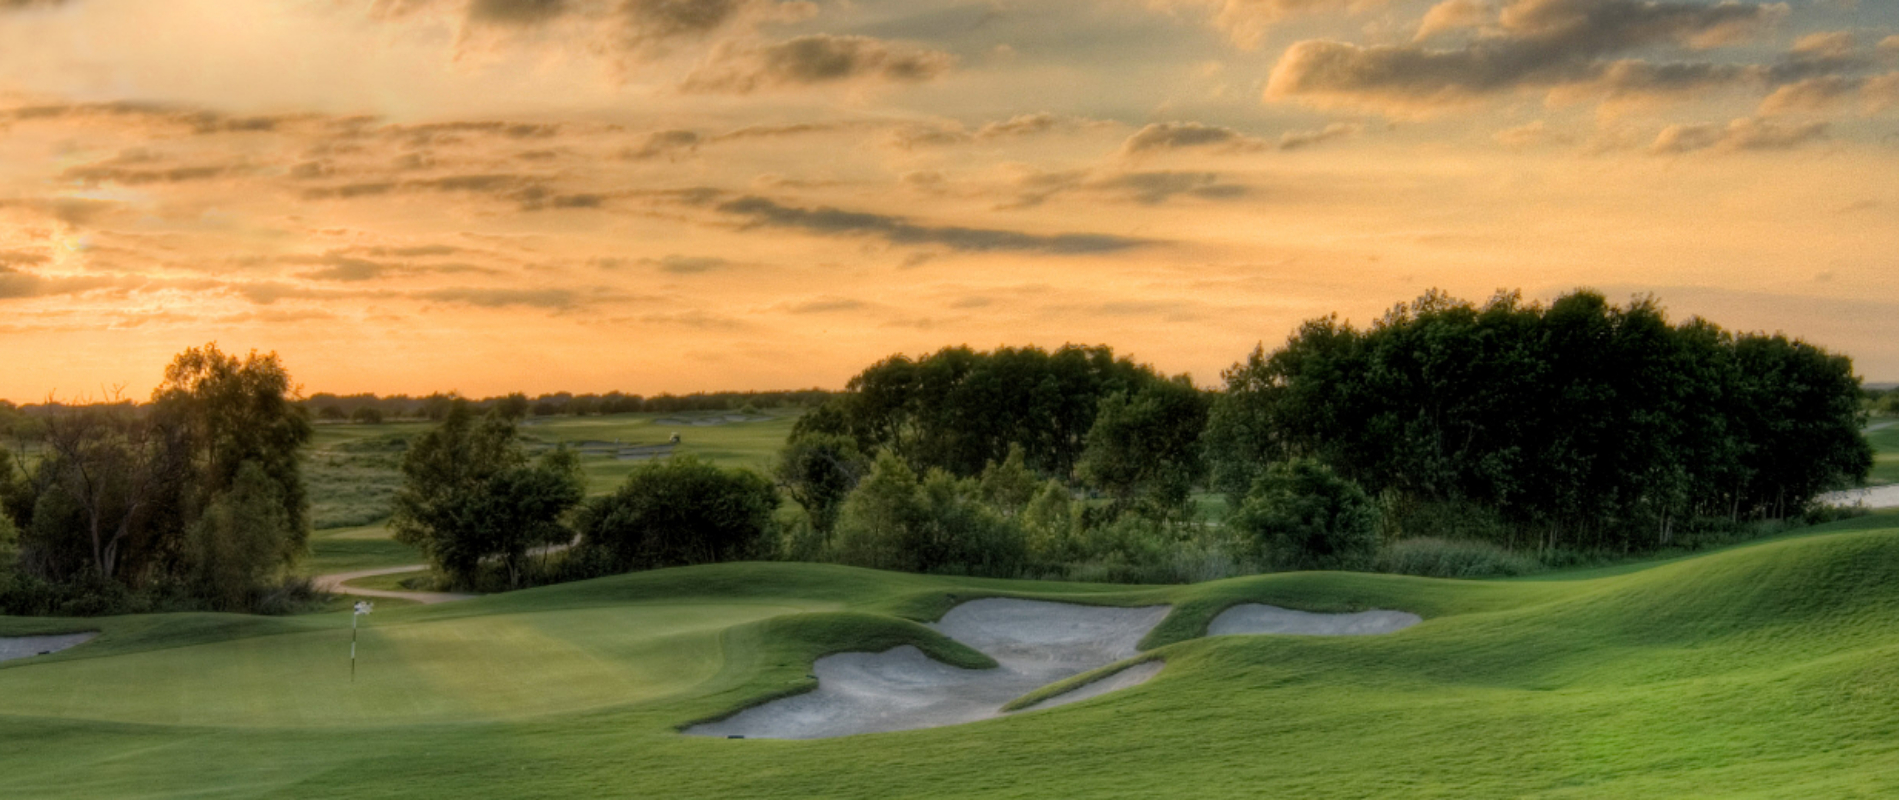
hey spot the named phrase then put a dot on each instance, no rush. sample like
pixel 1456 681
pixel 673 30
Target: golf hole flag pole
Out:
pixel 362 607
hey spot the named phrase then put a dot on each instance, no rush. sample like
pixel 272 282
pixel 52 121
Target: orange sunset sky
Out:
pixel 680 195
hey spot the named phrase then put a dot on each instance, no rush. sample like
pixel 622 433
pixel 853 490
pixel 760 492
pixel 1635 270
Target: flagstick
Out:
pixel 362 607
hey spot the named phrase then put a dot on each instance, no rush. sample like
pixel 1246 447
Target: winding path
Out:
pixel 334 583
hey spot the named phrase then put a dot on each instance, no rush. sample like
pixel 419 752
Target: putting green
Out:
pixel 1764 670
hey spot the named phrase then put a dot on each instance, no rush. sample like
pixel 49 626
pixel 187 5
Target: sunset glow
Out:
pixel 679 195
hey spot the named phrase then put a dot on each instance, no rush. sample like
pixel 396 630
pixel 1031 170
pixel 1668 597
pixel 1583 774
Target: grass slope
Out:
pixel 1765 670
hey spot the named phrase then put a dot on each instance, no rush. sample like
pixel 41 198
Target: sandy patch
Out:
pixel 1034 643
pixel 30 646
pixel 1869 497
pixel 1254 618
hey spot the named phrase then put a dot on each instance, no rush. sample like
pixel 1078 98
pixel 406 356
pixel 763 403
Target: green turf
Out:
pixel 1764 670
pixel 1885 441
pixel 358 548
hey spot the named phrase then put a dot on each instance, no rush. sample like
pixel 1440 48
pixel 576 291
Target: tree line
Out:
pixel 371 408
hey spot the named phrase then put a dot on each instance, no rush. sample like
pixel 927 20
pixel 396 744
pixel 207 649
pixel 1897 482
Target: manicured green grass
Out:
pixel 1885 454
pixel 1764 670
pixel 351 549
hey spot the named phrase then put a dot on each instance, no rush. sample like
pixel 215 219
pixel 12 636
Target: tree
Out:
pixel 367 415
pixel 818 470
pixel 468 493
pixel 112 485
pixel 678 512
pixel 1305 516
pixel 235 411
pixel 895 521
pixel 1144 449
pixel 9 550
pixel 242 543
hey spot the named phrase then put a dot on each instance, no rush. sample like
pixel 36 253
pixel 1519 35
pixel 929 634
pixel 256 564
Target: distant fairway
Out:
pixel 352 469
pixel 1766 670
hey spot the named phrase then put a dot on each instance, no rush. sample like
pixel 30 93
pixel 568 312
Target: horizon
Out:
pixel 488 196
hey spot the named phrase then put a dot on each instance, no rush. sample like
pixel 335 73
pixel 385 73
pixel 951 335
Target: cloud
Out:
pixel 17 284
pixel 1294 140
pixel 1534 134
pixel 1536 44
pixel 10 258
pixel 1246 21
pixel 554 299
pixel 1152 188
pixel 1881 93
pixel 825 305
pixel 516 12
pixel 830 221
pixel 1451 15
pixel 664 143
pixel 687 265
pixel 815 60
pixel 1740 134
pixel 1810 95
pixel 138 167
pixel 1164 136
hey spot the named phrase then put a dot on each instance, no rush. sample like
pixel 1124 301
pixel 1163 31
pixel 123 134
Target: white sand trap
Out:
pixel 30 646
pixel 1035 643
pixel 1257 618
pixel 1869 497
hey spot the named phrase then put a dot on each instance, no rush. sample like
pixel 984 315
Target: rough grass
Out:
pixel 1885 454
pixel 1769 669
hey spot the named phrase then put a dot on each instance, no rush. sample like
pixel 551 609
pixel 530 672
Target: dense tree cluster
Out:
pixel 957 409
pixel 196 497
pixel 469 493
pixel 1579 424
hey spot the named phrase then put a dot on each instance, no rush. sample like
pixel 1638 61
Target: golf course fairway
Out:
pixel 1769 669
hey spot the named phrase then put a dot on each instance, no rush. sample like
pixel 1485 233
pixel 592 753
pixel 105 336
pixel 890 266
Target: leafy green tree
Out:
pixel 235 411
pixel 1051 525
pixel 1008 487
pixel 938 524
pixel 242 543
pixel 958 409
pixel 818 470
pixel 1303 515
pixel 367 415
pixel 469 493
pixel 680 511
pixel 9 550
pixel 1144 449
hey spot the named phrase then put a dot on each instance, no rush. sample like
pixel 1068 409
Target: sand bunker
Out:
pixel 30 646
pixel 1034 643
pixel 1869 497
pixel 1256 618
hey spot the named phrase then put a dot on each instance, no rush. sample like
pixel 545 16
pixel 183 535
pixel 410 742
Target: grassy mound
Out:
pixel 1764 670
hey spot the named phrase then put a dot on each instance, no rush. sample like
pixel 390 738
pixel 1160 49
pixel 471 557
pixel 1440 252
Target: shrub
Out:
pixel 1302 515
pixel 1432 557
pixel 680 511
pixel 937 524
pixel 241 543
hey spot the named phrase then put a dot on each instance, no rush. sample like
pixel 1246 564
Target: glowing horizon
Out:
pixel 487 196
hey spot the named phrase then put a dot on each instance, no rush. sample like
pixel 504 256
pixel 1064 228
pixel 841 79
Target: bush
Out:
pixel 939 524
pixel 1433 557
pixel 1302 515
pixel 678 512
pixel 241 543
